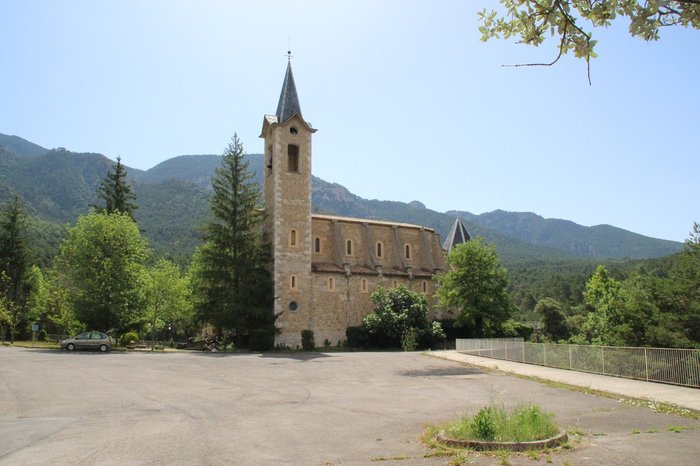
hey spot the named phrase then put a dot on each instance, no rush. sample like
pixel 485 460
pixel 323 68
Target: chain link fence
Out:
pixel 666 365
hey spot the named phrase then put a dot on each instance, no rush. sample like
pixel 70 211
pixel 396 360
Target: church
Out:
pixel 326 267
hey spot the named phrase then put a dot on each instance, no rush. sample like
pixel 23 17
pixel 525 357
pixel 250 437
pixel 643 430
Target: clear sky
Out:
pixel 408 102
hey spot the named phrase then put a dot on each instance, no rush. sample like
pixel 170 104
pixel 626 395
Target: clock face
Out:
pixel 293 130
pixel 293 306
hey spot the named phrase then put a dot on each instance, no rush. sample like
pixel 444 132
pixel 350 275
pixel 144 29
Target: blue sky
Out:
pixel 408 102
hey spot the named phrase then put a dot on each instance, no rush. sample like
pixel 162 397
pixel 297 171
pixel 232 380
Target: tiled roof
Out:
pixel 368 221
pixel 458 235
pixel 288 104
pixel 326 267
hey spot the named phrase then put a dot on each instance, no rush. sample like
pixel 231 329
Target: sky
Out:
pixel 408 102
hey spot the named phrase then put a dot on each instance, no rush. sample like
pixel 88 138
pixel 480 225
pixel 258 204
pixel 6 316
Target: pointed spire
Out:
pixel 458 235
pixel 289 101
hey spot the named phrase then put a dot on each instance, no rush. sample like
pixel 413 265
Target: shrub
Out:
pixel 307 340
pixel 129 338
pixel 409 340
pixel 397 310
pixel 261 339
pixel 43 336
pixel 356 337
pixel 326 343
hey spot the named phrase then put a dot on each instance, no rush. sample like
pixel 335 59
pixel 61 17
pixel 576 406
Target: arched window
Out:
pixel 317 245
pixel 363 285
pixel 394 283
pixel 293 282
pixel 408 251
pixel 293 237
pixel 425 286
pixel 348 247
pixel 269 159
pixel 379 249
pixel 331 284
pixel 293 158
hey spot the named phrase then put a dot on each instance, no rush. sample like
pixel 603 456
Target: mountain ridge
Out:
pixel 58 185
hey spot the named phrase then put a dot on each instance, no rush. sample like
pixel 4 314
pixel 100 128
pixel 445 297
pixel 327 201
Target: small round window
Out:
pixel 293 130
pixel 293 306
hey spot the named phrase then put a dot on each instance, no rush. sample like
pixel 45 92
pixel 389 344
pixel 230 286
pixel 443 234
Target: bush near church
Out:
pixel 397 313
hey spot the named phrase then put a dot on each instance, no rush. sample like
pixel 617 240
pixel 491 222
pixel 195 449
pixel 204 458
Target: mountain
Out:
pixel 19 146
pixel 596 241
pixel 58 185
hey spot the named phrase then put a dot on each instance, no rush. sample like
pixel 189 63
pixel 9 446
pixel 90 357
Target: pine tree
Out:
pixel 116 191
pixel 231 280
pixel 14 263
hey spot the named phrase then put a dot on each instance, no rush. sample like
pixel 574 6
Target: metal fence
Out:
pixel 673 366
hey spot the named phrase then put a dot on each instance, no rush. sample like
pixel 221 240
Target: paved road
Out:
pixel 336 408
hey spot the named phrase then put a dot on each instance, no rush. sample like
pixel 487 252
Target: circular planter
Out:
pixel 482 445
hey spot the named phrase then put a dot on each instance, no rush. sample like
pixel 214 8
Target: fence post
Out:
pixel 544 353
pixel 646 365
pixel 602 357
pixel 570 365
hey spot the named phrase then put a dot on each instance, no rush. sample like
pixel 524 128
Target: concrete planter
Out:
pixel 481 445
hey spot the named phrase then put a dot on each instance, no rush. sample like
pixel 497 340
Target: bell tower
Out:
pixel 287 188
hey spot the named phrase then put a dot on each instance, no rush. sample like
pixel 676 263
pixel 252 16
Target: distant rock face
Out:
pixel 417 205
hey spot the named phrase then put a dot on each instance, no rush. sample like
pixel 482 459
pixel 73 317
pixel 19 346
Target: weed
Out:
pixel 524 423
pixel 678 429
pixel 636 431
pixel 652 431
pixel 504 457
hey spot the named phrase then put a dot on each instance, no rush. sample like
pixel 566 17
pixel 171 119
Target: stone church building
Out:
pixel 326 267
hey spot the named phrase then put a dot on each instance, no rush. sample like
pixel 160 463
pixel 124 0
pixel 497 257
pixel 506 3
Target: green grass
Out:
pixel 30 344
pixel 494 423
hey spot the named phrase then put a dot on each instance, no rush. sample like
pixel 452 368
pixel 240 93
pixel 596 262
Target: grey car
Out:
pixel 88 340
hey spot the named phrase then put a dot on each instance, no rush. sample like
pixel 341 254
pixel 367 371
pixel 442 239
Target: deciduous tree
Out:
pixel 476 286
pixel 570 21
pixel 603 294
pixel 553 319
pixel 102 260
pixel 167 296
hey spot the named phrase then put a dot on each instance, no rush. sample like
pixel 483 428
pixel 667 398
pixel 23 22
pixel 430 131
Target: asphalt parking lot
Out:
pixel 291 408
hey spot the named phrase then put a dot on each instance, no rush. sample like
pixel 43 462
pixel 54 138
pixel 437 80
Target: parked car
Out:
pixel 88 340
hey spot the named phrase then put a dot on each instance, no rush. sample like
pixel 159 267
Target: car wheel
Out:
pixel 70 346
pixel 104 348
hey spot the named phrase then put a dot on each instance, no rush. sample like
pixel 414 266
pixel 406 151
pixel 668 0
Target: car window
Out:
pixel 96 336
pixel 83 336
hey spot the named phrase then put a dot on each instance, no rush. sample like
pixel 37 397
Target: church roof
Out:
pixel 288 104
pixel 368 221
pixel 458 235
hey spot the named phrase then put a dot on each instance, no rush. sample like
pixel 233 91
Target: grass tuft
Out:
pixel 494 423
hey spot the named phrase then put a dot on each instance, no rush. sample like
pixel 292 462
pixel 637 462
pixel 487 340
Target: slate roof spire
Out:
pixel 288 104
pixel 458 235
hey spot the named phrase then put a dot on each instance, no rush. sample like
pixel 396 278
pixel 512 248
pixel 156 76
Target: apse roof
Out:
pixel 458 235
